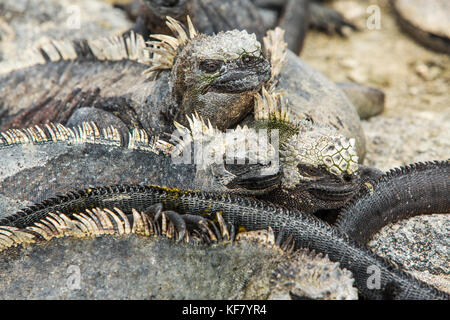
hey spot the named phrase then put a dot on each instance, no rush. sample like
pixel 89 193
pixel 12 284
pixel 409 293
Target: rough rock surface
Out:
pixel 422 135
pixel 420 245
pixel 29 23
pixel 426 20
pixel 134 267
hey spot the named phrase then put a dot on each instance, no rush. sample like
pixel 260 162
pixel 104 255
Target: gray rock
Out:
pixel 420 245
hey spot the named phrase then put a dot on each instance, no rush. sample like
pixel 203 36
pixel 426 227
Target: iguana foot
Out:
pixel 328 20
pixel 368 101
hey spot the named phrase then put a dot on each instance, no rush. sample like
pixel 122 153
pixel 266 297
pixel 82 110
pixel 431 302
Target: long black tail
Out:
pixel 420 188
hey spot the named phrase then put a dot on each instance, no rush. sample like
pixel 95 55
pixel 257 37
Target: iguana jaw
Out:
pixel 253 178
pixel 226 97
pixel 238 76
pixel 327 186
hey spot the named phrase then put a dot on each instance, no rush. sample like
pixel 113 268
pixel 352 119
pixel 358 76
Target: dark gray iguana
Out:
pixel 255 16
pixel 258 16
pixel 39 162
pixel 102 81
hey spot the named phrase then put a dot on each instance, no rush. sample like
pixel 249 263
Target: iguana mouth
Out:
pixel 256 181
pixel 256 185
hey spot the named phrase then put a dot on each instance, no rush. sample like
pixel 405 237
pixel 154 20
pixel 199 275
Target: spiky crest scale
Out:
pixel 87 132
pixel 275 49
pixel 239 143
pixel 108 48
pixel 165 50
pixel 92 223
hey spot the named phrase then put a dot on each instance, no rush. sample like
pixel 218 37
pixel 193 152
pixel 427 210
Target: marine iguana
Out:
pixel 305 230
pixel 39 162
pixel 142 265
pixel 213 75
pixel 102 81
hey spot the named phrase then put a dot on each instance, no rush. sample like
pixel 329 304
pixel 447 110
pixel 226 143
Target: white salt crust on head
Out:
pixel 318 146
pixel 226 45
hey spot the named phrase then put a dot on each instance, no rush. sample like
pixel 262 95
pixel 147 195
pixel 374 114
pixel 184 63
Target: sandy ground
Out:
pixel 415 125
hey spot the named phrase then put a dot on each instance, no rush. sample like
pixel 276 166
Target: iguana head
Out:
pixel 215 75
pixel 319 165
pixel 238 160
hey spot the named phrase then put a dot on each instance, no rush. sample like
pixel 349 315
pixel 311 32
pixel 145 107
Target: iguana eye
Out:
pixel 248 59
pixel 210 65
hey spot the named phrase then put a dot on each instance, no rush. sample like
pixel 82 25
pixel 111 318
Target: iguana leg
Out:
pixel 294 20
pixel 204 225
pixel 368 101
pixel 328 20
pixel 178 222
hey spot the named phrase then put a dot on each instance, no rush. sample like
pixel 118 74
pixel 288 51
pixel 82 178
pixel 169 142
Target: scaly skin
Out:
pixel 306 230
pixel 255 16
pixel 61 158
pixel 210 16
pixel 324 191
pixel 421 188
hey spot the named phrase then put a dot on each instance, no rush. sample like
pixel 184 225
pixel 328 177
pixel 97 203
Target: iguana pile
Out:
pixel 309 126
pixel 217 75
